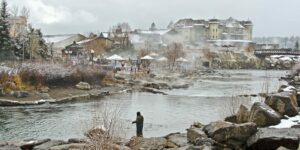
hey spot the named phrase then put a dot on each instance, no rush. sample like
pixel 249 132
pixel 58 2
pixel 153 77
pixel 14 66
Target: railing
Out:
pixel 268 52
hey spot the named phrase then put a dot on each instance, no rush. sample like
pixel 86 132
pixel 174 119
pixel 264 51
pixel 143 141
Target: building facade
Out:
pixel 193 31
pixel 18 26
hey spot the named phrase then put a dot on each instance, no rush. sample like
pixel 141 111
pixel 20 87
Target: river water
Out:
pixel 207 100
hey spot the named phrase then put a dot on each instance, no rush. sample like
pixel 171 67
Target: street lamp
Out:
pixel 92 54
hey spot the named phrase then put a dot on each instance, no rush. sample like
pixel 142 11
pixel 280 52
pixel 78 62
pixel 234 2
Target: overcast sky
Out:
pixel 270 17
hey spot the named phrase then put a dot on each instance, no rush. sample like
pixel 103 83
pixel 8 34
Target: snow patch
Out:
pixel 288 123
pixel 289 89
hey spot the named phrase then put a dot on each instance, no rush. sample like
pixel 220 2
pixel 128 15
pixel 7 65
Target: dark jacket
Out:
pixel 139 120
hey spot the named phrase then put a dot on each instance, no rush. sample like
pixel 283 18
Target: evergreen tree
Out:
pixel 153 27
pixel 6 48
pixel 297 45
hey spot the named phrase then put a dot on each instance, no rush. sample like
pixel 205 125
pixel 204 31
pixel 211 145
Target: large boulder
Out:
pixel 263 115
pixel 233 135
pixel 285 103
pixel 231 119
pixel 136 143
pixel 178 139
pixel 29 144
pixel 195 134
pixel 96 133
pixel 83 86
pixel 242 115
pixel 271 138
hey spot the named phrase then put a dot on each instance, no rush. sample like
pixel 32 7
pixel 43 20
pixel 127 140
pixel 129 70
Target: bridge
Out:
pixel 268 52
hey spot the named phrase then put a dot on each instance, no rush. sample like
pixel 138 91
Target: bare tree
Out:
pixel 124 26
pixel 143 52
pixel 173 52
pixel 107 130
pixel 25 12
pixel 14 10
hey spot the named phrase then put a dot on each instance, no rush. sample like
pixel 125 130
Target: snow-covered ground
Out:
pixel 283 58
pixel 288 123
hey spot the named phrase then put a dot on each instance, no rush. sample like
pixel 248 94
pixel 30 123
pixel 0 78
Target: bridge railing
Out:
pixel 266 52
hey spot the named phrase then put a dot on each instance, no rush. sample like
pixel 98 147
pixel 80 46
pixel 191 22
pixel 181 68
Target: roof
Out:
pixel 233 41
pixel 160 32
pixel 104 34
pixel 84 41
pixel 115 57
pixel 68 41
pixel 56 38
pixel 147 58
pixel 213 20
pixel 73 45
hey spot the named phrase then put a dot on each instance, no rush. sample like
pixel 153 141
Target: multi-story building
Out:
pixel 18 25
pixel 193 31
pixel 120 39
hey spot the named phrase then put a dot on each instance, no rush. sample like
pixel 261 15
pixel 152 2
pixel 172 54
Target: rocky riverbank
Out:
pixel 12 95
pixel 247 60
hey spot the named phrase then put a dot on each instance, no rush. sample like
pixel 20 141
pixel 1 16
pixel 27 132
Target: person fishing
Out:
pixel 139 124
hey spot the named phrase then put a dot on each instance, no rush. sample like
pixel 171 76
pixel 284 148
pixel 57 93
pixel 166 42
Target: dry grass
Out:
pixel 107 128
pixel 236 100
pixel 33 76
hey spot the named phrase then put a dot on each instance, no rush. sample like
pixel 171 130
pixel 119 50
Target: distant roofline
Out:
pixel 53 35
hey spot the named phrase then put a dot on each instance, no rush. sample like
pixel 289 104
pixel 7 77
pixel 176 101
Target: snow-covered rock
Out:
pixel 83 86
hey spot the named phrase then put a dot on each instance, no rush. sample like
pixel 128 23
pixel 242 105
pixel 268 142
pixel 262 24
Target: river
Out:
pixel 206 100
